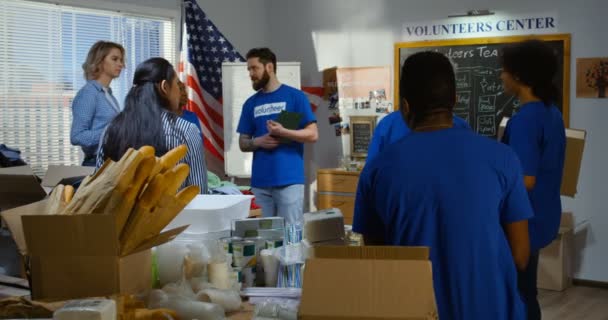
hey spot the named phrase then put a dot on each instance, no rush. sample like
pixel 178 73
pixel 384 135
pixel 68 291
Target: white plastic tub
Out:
pixel 212 213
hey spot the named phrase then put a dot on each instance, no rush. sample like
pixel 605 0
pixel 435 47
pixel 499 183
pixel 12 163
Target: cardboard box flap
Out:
pixel 163 237
pixel 575 145
pixel 372 252
pixel 12 218
pixel 368 289
pixel 71 235
pixel 566 223
pixel 55 174
pixel 19 186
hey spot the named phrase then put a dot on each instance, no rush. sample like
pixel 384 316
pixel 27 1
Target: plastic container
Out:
pixel 212 213
pixel 170 256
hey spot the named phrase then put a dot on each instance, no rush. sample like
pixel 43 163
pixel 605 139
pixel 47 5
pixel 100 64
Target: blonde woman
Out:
pixel 94 106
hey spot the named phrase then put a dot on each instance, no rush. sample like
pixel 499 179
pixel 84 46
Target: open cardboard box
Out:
pixel 575 145
pixel 555 260
pixel 77 256
pixel 369 282
pixel 19 186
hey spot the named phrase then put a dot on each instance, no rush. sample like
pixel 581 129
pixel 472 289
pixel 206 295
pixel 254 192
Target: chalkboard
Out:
pixel 362 128
pixel 480 99
pixel 236 89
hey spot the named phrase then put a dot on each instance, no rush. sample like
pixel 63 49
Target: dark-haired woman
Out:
pixel 536 133
pixel 149 119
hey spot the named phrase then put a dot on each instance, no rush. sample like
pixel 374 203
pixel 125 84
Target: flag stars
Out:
pixel 221 40
pixel 209 29
pixel 224 49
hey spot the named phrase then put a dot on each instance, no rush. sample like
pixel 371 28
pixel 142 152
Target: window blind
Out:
pixel 42 48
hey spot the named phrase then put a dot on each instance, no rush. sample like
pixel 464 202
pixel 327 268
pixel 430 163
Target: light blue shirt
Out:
pixel 92 111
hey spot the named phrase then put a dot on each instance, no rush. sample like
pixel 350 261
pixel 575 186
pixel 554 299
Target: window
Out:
pixel 42 48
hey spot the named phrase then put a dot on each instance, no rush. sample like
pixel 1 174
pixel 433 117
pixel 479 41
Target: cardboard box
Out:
pixel 330 82
pixel 309 248
pixel 555 260
pixel 57 174
pixel 575 145
pixel 323 225
pixel 77 256
pixel 19 186
pixel 368 283
pixel 267 228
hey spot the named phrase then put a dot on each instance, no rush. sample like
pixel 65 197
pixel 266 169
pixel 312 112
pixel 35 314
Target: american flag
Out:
pixel 202 55
pixel 204 48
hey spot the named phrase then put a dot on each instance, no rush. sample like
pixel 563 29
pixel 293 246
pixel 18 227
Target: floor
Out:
pixel 580 303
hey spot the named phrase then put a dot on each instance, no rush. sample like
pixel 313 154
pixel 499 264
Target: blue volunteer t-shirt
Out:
pixel 392 128
pixel 453 191
pixel 284 165
pixel 536 133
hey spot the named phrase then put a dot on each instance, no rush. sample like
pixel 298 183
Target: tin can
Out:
pixel 243 253
pixel 226 243
pixel 273 243
pixel 259 243
pixel 243 248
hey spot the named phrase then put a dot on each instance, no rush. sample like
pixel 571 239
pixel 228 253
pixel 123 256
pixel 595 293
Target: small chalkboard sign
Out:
pixel 361 130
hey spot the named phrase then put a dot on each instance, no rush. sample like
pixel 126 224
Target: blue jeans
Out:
pixel 286 202
pixel 527 287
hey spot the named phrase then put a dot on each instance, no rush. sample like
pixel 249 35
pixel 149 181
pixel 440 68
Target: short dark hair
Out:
pixel 534 64
pixel 427 83
pixel 265 55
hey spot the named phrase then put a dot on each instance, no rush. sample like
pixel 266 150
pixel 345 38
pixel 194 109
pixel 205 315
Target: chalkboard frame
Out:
pixel 564 37
pixel 369 120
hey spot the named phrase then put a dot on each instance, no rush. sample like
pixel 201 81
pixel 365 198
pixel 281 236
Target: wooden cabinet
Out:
pixel 336 189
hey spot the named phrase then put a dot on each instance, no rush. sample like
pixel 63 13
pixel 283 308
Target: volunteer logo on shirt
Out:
pixel 268 109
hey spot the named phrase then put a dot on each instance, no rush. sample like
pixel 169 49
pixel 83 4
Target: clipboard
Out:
pixel 289 120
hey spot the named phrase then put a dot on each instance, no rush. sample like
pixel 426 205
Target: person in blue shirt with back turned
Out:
pixel 458 193
pixel 392 128
pixel 536 133
pixel 94 106
pixel 277 171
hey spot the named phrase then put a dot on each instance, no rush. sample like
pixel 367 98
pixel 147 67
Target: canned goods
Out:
pixel 248 275
pixel 226 243
pixel 272 244
pixel 244 248
pixel 259 243
pixel 241 262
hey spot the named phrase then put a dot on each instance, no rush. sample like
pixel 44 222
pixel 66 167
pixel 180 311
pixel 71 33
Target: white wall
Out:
pixel 345 33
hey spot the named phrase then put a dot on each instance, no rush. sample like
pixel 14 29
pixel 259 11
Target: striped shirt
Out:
pixel 92 110
pixel 177 132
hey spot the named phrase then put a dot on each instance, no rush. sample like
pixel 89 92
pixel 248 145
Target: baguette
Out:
pixel 124 202
pixel 171 206
pixel 68 193
pixel 181 171
pixel 172 157
pixel 134 231
pixel 112 177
